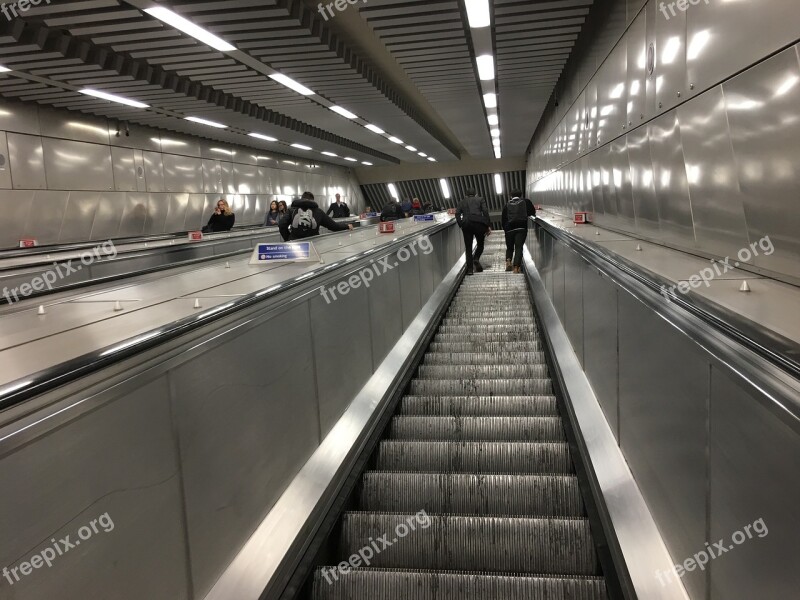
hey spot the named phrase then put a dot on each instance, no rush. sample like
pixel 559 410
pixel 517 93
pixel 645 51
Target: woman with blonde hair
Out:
pixel 222 219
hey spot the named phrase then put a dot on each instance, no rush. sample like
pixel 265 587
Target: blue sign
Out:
pixel 424 218
pixel 369 215
pixel 295 251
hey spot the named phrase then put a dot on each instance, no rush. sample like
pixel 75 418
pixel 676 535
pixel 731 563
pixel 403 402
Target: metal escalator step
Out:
pixel 482 406
pixel 488 387
pixel 472 346
pixel 479 336
pixel 474 457
pixel 476 321
pixel 560 546
pixel 484 358
pixel 459 370
pixel 470 494
pixel 396 584
pixel 477 429
pixel 488 326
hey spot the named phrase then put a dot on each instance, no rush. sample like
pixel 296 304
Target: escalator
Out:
pixel 472 492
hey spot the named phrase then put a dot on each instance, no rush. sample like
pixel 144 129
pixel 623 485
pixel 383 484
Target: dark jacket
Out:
pixel 272 218
pixel 392 212
pixel 285 224
pixel 220 222
pixel 473 210
pixel 339 210
pixel 514 225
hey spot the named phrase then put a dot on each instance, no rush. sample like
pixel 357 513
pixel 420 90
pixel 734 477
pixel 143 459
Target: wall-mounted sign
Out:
pixel 424 218
pixel 28 243
pixel 387 227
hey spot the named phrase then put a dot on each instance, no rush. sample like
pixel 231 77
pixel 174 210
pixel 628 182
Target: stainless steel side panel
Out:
pixel 717 207
pixel 157 208
pixel 154 172
pixel 16 210
pixel 663 389
pixel 5 165
pixel 46 215
pixel 212 181
pixel 79 216
pixel 762 112
pixel 77 165
pixel 26 158
pixel 410 296
pixel 245 415
pixel 573 301
pixel 107 217
pixel 754 459
pixel 183 174
pixel 670 72
pixel 124 165
pixel 636 70
pixel 119 460
pixel 600 354
pixel 176 214
pixel 134 214
pixel 669 174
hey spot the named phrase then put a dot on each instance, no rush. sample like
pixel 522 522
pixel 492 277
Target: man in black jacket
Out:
pixel 472 215
pixel 338 208
pixel 392 211
pixel 515 224
pixel 304 219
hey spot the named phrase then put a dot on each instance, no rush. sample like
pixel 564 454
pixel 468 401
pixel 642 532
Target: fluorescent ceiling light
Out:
pixel 350 159
pixel 291 84
pixel 411 148
pixel 301 147
pixel 497 152
pixel 111 97
pixel 206 122
pixel 495 133
pixel 490 100
pixel 422 154
pixel 498 183
pixel 493 120
pixel 326 153
pixel 430 158
pixel 393 191
pixel 375 129
pixel 343 111
pixel 363 162
pixel 4 69
pixel 396 140
pixel 478 13
pixel 445 188
pixel 186 26
pixel 261 136
pixel 485 67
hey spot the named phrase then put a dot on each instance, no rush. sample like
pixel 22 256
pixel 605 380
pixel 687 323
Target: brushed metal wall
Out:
pixel 708 455
pixel 701 152
pixel 67 177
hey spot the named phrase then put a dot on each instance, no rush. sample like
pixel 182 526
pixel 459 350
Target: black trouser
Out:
pixel 472 231
pixel 515 240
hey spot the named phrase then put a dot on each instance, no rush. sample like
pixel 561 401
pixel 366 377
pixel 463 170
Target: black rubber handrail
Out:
pixel 608 262
pixel 24 389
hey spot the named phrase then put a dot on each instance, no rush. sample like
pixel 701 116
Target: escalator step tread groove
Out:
pixel 479 405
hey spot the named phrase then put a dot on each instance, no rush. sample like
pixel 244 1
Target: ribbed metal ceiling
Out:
pixel 57 48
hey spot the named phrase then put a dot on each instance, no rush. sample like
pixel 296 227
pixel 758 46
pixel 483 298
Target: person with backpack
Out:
pixel 392 211
pixel 515 224
pixel 304 219
pixel 472 216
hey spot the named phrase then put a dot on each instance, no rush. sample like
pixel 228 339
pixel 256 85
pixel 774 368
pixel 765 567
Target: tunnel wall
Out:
pixel 684 131
pixel 67 177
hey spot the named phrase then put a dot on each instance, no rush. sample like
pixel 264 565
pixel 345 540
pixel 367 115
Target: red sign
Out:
pixel 28 243
pixel 386 227
pixel 195 236
pixel 582 217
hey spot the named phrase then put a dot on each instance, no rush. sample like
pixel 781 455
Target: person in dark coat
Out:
pixel 273 215
pixel 338 210
pixel 304 219
pixel 472 215
pixel 222 219
pixel 392 211
pixel 515 224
